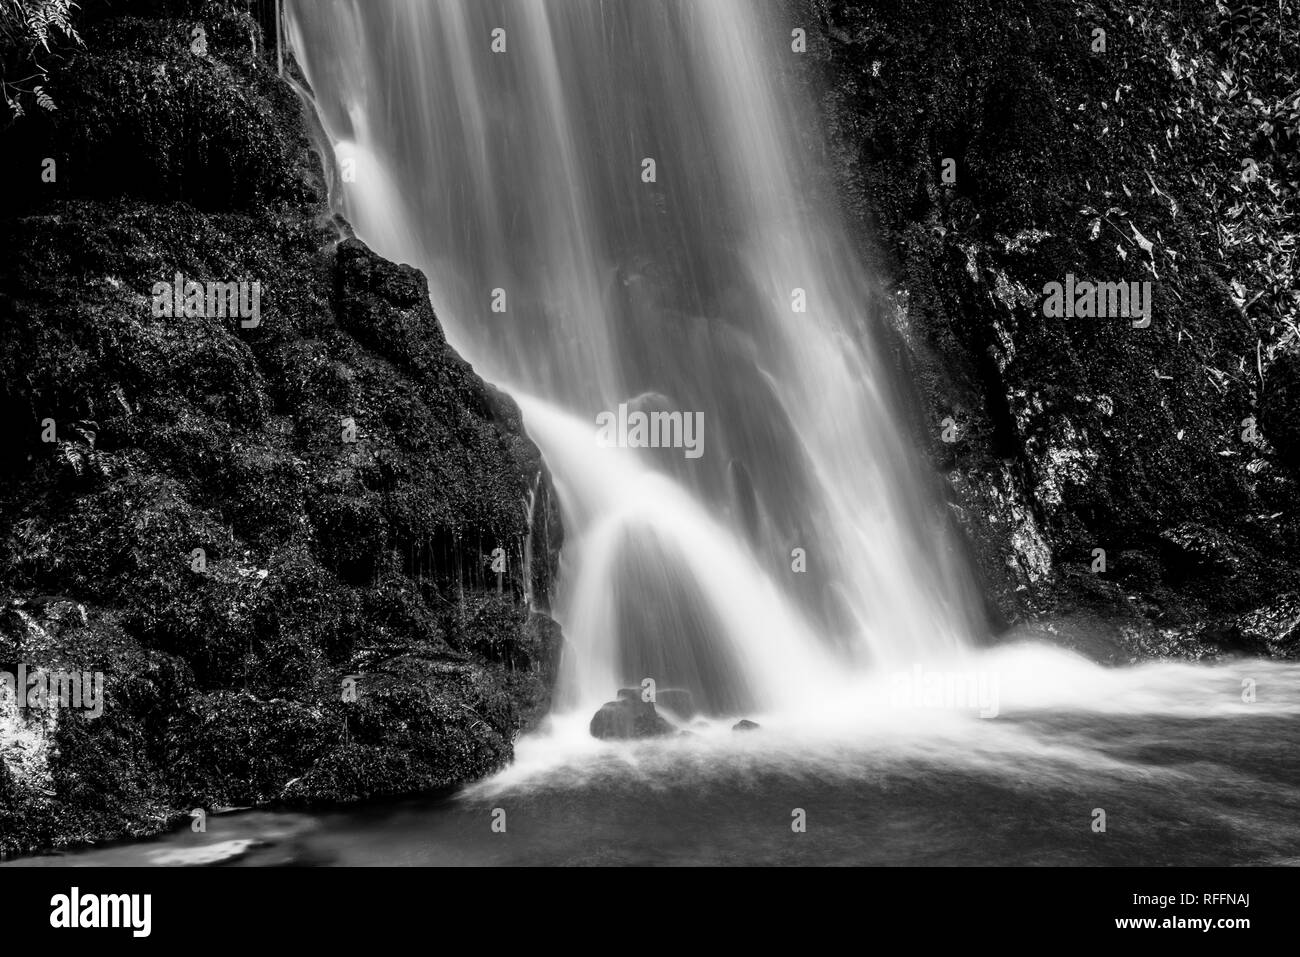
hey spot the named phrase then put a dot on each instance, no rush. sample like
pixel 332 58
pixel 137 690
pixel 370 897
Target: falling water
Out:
pixel 521 171
pixel 502 146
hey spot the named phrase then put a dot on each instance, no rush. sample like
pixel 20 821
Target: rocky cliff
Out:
pixel 1128 490
pixel 288 529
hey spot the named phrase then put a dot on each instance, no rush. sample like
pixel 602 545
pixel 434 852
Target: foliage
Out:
pixel 1241 81
pixel 27 30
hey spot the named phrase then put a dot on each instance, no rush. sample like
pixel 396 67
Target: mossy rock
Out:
pixel 322 557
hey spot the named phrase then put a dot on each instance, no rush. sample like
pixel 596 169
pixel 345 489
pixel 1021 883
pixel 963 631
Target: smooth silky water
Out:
pixel 1187 772
pixel 521 173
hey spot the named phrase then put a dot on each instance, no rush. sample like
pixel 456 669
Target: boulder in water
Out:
pixel 679 701
pixel 744 724
pixel 629 717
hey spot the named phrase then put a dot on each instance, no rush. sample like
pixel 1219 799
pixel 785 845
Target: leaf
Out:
pixel 44 100
pixel 1146 244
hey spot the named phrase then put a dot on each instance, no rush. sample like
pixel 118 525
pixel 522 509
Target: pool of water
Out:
pixel 1192 764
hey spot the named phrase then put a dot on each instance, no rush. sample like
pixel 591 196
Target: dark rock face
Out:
pixel 1272 630
pixel 1280 418
pixel 347 477
pixel 1172 448
pixel 156 121
pixel 629 717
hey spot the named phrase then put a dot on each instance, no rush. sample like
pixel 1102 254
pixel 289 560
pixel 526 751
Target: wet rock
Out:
pixel 744 724
pixel 678 701
pixel 1273 630
pixel 1051 460
pixel 629 718
pixel 1280 409
pixel 322 556
pixel 1277 625
pixel 1218 567
pixel 1190 549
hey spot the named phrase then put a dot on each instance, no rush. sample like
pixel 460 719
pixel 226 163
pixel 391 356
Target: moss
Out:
pixel 1280 419
pixel 235 748
pixel 1092 433
pixel 215 129
pixel 322 557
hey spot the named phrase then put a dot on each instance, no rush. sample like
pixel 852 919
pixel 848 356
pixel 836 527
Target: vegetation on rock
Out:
pixel 30 31
pixel 1166 153
pixel 274 539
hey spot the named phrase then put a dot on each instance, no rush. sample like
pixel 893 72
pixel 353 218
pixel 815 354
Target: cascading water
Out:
pixel 521 171
pixel 505 148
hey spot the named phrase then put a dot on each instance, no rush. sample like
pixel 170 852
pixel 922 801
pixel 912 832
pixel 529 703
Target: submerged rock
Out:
pixel 744 724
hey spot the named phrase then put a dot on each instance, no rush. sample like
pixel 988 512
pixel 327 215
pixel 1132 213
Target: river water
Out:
pixel 1186 771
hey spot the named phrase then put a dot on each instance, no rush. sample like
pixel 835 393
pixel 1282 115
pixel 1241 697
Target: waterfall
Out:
pixel 621 203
